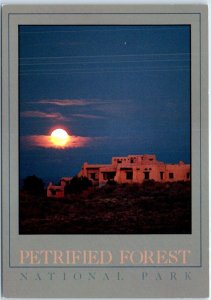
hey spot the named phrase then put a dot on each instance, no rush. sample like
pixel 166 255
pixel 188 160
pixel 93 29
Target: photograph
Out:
pixel 104 129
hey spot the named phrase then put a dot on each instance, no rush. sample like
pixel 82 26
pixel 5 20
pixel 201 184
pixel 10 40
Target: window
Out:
pixel 146 175
pixel 131 160
pixel 161 175
pixel 119 161
pixel 93 176
pixel 129 175
pixel 188 175
pixel 171 175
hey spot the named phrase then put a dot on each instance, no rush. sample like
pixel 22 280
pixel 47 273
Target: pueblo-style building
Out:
pixel 58 191
pixel 129 169
pixel 135 169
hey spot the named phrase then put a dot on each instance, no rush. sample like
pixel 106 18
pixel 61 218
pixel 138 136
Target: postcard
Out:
pixel 105 151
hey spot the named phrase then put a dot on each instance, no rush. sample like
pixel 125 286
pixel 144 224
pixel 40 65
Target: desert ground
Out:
pixel 148 208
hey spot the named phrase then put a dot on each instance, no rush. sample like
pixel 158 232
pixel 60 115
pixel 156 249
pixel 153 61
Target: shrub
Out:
pixel 33 185
pixel 78 185
pixel 111 182
pixel 148 183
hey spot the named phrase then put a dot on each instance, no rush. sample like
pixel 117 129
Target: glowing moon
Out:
pixel 59 137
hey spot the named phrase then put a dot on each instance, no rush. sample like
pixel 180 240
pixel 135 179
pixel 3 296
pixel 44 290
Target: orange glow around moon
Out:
pixel 59 137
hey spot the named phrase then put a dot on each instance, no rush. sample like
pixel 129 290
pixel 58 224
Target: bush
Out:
pixel 33 185
pixel 149 183
pixel 78 185
pixel 111 182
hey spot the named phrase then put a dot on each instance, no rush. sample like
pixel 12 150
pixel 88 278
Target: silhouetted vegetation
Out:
pixel 111 182
pixel 148 208
pixel 78 185
pixel 33 185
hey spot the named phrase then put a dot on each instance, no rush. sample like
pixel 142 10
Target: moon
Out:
pixel 60 137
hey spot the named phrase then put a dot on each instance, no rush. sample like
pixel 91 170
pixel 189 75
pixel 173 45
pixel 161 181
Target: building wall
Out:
pixel 55 191
pixel 180 172
pixel 136 169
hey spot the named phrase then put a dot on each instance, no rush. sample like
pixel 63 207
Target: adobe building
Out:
pixel 135 169
pixel 58 191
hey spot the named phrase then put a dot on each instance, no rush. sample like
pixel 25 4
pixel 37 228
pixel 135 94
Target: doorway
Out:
pixel 146 175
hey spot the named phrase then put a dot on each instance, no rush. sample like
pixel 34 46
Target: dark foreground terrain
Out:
pixel 150 208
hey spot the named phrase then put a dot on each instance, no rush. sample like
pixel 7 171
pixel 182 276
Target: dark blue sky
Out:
pixel 126 88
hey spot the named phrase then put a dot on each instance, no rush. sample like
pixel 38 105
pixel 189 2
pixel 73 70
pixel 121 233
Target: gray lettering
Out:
pixel 51 274
pixel 158 276
pixel 38 277
pixel 173 276
pixel 77 276
pixel 188 276
pixel 105 277
pixel 91 276
pixel 24 276
pixel 119 277
pixel 144 275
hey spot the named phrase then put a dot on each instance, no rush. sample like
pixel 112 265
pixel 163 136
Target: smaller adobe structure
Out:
pixel 58 191
pixel 135 169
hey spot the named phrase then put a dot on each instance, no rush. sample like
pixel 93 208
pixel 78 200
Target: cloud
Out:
pixel 66 102
pixel 44 141
pixel 40 114
pixel 87 116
